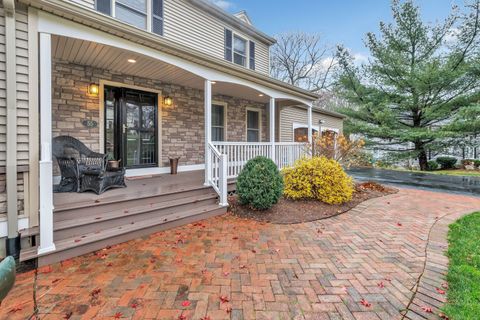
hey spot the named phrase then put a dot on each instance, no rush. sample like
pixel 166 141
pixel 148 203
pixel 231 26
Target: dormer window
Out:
pixel 143 14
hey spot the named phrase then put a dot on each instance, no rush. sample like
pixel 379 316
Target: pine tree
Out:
pixel 420 88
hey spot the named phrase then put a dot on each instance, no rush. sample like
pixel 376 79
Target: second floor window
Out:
pixel 238 50
pixel 144 14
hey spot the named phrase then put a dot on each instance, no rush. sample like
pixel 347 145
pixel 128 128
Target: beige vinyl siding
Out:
pixel 3 101
pixel 22 87
pixel 190 26
pixel 262 58
pixel 86 3
pixel 291 115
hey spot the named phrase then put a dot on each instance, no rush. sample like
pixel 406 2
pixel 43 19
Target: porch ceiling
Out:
pixel 116 60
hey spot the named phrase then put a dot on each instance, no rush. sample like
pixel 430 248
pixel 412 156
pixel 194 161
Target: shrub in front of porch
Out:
pixel 318 178
pixel 260 184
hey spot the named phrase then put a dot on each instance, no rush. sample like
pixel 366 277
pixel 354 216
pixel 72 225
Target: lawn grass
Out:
pixel 450 172
pixel 464 269
pixel 457 172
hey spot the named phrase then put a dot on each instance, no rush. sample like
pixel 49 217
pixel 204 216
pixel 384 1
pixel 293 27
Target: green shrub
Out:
pixel 447 162
pixel 318 178
pixel 432 165
pixel 260 184
pixel 476 163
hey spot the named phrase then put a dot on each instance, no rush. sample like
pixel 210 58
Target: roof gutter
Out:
pixel 92 18
pixel 13 240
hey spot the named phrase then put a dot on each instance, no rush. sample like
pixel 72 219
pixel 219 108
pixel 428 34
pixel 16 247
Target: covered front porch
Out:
pixel 144 107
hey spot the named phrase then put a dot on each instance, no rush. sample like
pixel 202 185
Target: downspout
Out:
pixel 13 240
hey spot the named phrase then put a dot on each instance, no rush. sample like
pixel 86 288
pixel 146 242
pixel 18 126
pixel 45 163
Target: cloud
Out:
pixel 223 4
pixel 360 58
pixel 452 36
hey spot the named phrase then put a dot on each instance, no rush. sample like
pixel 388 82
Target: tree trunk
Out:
pixel 422 158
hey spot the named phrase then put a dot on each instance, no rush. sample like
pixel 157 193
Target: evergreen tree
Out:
pixel 420 88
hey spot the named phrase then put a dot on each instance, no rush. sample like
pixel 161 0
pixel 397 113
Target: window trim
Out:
pixel 247 49
pixel 225 110
pixel 259 111
pixel 298 125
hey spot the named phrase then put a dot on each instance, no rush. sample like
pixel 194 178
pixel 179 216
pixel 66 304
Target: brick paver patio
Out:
pixel 369 263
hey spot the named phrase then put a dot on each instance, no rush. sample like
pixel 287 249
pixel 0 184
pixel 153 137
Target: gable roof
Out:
pixel 242 15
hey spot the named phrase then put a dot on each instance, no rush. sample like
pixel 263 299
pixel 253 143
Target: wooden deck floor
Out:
pixel 136 187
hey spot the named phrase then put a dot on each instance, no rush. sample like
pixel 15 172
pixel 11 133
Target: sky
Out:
pixel 338 21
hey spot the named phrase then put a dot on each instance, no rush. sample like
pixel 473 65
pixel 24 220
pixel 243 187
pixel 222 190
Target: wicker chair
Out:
pixel 83 169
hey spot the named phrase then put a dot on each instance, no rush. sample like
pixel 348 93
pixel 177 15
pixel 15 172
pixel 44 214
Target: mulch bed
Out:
pixel 292 212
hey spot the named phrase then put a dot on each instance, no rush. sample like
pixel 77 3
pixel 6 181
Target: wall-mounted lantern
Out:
pixel 93 89
pixel 168 101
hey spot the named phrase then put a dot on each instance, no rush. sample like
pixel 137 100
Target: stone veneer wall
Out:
pixel 182 123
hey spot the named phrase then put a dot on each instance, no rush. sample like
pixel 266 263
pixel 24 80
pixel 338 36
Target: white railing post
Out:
pixel 272 129
pixel 208 130
pixel 223 180
pixel 46 167
pixel 310 138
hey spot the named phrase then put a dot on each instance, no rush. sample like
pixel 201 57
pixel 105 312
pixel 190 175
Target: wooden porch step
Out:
pixel 120 203
pixel 96 240
pixel 79 225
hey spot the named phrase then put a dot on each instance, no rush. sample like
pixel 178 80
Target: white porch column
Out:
pixel 272 129
pixel 310 139
pixel 46 172
pixel 208 129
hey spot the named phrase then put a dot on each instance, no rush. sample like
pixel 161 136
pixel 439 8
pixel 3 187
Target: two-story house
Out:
pixel 143 81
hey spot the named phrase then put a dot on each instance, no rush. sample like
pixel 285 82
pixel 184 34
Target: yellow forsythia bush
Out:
pixel 318 178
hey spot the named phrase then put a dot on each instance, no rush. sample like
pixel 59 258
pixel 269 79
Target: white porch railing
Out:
pixel 238 153
pixel 217 173
pixel 286 153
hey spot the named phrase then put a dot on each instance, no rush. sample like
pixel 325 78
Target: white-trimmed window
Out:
pixel 300 132
pixel 254 127
pixel 239 50
pixel 219 121
pixel 143 14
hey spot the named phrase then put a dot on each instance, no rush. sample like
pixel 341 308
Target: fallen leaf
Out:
pixel 224 299
pixel 365 303
pixel 254 251
pixel 15 309
pixel 225 274
pixel 445 285
pixel 95 292
pixel 68 315
pixel 235 238
pixel 229 310
pixel 56 280
pixel 109 264
pixel 440 291
pixel 443 316
pixel 77 240
pixel 243 266
pixel 399 224
pixel 381 285
pixel 427 309
pixel 186 303
pixel 118 315
pixel 182 317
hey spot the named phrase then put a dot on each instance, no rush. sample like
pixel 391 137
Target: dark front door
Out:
pixel 131 127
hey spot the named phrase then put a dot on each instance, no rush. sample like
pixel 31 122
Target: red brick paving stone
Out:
pixel 294 273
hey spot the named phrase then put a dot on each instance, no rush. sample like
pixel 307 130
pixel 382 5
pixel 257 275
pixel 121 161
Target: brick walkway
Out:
pixel 227 268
